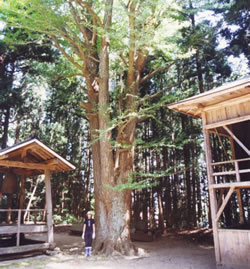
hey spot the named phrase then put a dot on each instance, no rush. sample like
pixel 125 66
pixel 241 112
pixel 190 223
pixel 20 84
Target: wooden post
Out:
pixel 18 228
pixel 9 205
pixel 236 164
pixel 22 196
pixel 49 208
pixel 237 171
pixel 242 220
pixel 212 191
pixel 232 147
pixel 220 198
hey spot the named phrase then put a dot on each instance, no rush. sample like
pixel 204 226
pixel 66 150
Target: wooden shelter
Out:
pixel 225 112
pixel 27 159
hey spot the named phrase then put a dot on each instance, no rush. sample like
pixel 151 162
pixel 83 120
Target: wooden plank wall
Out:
pixel 227 112
pixel 235 246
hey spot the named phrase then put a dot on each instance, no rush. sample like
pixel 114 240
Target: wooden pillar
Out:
pixel 232 147
pixel 49 208
pixel 18 227
pixel 22 196
pixel 236 164
pixel 242 219
pixel 212 191
pixel 9 205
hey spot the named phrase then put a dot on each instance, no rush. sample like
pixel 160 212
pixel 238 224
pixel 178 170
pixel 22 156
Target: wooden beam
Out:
pixel 27 228
pixel 40 153
pixel 49 207
pixel 16 210
pixel 229 194
pixel 220 197
pixel 51 162
pixel 22 196
pixel 212 193
pixel 19 150
pixel 18 228
pixel 22 192
pixel 242 219
pixel 232 147
pixel 231 161
pixel 25 172
pixel 226 122
pixel 20 249
pixel 227 103
pixel 22 171
pixel 237 140
pixel 3 156
pixel 214 131
pixel 238 185
pixel 238 171
pixel 231 172
pixel 24 153
pixel 37 166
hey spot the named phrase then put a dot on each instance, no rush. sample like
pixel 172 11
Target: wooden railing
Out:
pixel 19 227
pixel 234 171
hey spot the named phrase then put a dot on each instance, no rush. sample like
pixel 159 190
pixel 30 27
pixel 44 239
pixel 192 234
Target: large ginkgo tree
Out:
pixel 101 38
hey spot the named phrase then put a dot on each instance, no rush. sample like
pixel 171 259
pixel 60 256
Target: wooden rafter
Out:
pixel 3 156
pixel 27 165
pixel 25 150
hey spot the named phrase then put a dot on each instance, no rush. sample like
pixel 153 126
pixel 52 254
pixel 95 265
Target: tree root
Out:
pixel 120 247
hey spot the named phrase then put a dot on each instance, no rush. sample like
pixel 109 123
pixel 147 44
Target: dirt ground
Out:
pixel 182 250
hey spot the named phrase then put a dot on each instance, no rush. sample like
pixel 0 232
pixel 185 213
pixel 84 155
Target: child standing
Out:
pixel 88 233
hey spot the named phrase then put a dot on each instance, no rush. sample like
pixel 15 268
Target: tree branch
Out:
pixel 91 11
pixel 66 76
pixel 123 59
pixel 77 21
pixel 94 36
pixel 65 54
pixel 131 56
pixel 84 89
pixel 161 69
pixel 87 106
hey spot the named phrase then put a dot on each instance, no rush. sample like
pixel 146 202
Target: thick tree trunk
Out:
pixel 112 208
pixel 160 209
pixel 167 197
pixel 111 166
pixel 6 128
pixel 18 129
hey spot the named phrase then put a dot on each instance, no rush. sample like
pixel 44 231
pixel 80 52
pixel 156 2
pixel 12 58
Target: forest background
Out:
pixel 205 44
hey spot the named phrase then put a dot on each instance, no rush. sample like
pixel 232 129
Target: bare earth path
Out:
pixel 172 251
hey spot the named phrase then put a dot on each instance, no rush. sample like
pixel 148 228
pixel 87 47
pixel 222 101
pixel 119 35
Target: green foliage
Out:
pixel 135 185
pixel 67 219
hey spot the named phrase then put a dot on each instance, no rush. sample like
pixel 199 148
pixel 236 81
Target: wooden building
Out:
pixel 225 113
pixel 27 159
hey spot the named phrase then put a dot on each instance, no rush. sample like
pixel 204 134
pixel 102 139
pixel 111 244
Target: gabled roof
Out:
pixel 32 157
pixel 194 105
